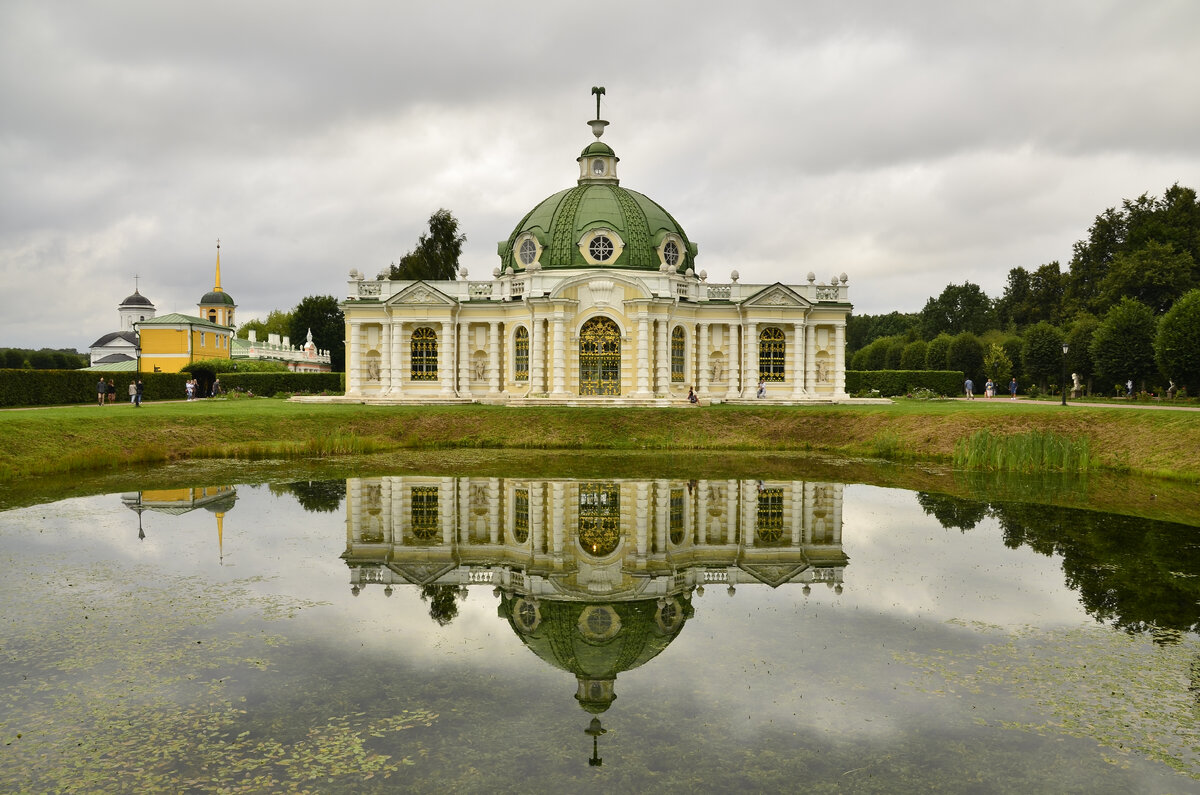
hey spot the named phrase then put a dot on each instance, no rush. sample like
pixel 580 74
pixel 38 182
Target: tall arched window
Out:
pixel 521 354
pixel 424 355
pixel 677 357
pixel 770 354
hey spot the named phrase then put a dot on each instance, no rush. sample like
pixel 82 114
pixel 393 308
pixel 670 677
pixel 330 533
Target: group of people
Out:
pixel 989 389
pixel 194 392
pixel 106 392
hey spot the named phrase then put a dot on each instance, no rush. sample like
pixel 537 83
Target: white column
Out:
pixel 464 510
pixel 354 373
pixel 397 361
pixel 537 525
pixel 749 512
pixel 702 510
pixel 702 342
pixel 446 510
pixel 493 357
pixel 836 528
pixel 537 369
pixel 735 363
pixel 731 497
pixel 557 519
pixel 385 357
pixel 750 367
pixel 643 354
pixel 798 360
pixel 663 370
pixel 446 357
pixel 642 525
pixel 493 492
pixel 810 366
pixel 839 359
pixel 560 355
pixel 797 492
pixel 662 514
pixel 464 359
pixel 810 499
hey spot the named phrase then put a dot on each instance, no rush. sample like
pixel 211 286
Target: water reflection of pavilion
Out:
pixel 615 540
pixel 595 577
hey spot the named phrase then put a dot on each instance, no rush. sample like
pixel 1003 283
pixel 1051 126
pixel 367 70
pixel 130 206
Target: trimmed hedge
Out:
pixel 65 387
pixel 900 382
pixel 268 384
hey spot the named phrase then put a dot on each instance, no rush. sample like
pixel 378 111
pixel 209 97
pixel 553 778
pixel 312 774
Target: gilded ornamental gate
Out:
pixel 600 357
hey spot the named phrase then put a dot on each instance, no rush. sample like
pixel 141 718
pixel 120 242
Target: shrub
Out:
pixel 890 383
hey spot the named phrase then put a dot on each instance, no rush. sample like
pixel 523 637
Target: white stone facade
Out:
pixel 519 339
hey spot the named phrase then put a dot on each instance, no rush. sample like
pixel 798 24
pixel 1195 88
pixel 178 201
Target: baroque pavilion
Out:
pixel 596 300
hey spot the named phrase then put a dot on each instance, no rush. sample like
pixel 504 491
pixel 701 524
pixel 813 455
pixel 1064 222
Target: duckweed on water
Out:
pixel 142 692
pixel 1091 683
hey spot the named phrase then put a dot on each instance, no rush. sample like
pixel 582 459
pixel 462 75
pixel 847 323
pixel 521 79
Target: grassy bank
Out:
pixel 91 438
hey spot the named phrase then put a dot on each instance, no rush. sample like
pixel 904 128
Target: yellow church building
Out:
pixel 171 342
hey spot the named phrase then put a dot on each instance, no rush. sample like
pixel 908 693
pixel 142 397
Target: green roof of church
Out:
pixel 217 298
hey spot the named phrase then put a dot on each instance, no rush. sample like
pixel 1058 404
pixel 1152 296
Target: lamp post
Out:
pixel 1064 374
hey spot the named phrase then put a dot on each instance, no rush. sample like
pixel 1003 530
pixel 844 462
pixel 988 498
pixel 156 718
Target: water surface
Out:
pixel 508 634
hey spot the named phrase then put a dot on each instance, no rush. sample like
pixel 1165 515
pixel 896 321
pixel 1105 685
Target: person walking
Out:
pixel 969 386
pixel 133 393
pixel 989 389
pixel 112 391
pixel 1012 389
pixel 137 395
pixel 101 391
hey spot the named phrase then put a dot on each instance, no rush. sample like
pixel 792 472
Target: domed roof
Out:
pixel 560 222
pixel 217 298
pixel 137 299
pixel 562 231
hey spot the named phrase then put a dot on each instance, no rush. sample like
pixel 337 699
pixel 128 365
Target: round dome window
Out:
pixel 601 248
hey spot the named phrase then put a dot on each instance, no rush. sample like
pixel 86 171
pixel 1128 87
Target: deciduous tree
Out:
pixel 321 314
pixel 437 252
pixel 1177 345
pixel 1123 345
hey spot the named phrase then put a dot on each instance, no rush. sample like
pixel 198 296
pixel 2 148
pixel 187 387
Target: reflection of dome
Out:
pixel 596 641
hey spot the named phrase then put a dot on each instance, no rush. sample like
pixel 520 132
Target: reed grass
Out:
pixel 1034 451
pixel 334 444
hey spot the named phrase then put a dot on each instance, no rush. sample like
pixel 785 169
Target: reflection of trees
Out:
pixel 318 496
pixel 952 512
pixel 443 601
pixel 1138 574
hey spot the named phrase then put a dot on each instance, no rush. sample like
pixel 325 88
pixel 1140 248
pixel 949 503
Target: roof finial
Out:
pixel 135 284
pixel 597 124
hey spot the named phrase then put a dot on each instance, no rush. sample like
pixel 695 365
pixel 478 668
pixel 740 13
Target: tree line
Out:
pixel 1127 307
pixel 42 359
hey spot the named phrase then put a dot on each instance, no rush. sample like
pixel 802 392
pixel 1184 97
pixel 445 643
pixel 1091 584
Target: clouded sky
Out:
pixel 908 144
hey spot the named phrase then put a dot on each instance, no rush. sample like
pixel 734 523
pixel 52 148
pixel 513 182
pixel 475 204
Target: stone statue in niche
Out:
pixel 480 366
pixel 822 372
pixel 373 370
pixel 716 372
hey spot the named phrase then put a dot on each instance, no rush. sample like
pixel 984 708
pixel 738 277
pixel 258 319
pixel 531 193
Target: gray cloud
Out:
pixel 909 144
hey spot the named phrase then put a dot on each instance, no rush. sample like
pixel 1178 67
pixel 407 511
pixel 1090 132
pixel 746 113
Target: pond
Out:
pixel 433 633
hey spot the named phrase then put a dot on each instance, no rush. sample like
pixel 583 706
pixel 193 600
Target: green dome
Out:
pixel 216 298
pixel 561 221
pixel 598 148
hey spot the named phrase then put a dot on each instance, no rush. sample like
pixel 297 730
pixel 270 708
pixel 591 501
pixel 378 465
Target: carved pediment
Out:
pixel 776 295
pixel 422 574
pixel 421 293
pixel 774 574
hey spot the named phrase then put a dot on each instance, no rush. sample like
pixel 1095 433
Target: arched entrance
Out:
pixel 600 357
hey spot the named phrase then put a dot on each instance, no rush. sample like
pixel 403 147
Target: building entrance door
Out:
pixel 600 357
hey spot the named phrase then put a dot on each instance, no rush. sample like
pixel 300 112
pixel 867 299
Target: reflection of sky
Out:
pixel 824 664
pixel 906 574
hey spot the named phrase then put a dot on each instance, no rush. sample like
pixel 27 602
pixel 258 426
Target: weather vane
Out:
pixel 599 92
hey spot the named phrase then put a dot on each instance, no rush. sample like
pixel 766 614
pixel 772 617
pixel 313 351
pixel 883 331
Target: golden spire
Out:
pixel 217 288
